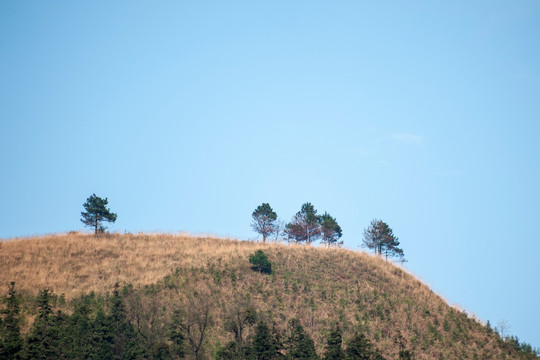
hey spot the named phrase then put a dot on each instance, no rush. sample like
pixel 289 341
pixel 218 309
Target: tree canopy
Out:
pixel 380 238
pixel 264 220
pixel 260 262
pixel 330 230
pixel 304 225
pixel 96 213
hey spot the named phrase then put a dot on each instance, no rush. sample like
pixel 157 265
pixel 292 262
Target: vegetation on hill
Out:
pixel 200 298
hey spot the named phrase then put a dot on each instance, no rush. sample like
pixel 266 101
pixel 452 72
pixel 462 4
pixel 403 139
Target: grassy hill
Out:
pixel 164 275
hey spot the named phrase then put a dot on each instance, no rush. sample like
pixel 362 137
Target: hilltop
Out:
pixel 164 274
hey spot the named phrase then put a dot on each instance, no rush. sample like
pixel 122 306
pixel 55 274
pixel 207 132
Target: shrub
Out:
pixel 260 262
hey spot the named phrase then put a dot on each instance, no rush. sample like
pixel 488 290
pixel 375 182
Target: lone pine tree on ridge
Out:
pixel 96 213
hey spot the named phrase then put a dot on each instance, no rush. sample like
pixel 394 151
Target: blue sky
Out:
pixel 189 115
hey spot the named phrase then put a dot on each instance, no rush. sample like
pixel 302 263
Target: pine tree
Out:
pixel 43 341
pixel 102 337
pixel 359 348
pixel 259 261
pixel 96 213
pixel 77 335
pixel 299 344
pixel 330 230
pixel 125 343
pixel 176 335
pixel 11 331
pixel 265 345
pixel 380 238
pixel 333 350
pixel 264 220
pixel 304 225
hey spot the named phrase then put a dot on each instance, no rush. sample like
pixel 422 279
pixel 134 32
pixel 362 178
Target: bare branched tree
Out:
pixel 197 321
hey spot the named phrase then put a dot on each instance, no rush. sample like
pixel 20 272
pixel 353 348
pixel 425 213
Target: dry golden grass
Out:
pixel 76 263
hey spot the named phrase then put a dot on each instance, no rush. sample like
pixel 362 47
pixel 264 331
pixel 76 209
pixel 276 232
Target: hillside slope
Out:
pixel 319 287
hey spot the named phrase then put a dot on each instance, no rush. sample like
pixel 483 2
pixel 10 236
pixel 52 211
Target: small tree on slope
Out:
pixel 260 263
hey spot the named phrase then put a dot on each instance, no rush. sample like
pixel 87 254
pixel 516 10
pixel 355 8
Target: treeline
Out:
pixel 111 327
pixel 101 328
pixel 295 343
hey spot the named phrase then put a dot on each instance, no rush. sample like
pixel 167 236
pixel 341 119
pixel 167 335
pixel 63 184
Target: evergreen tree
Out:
pixel 359 348
pixel 177 336
pixel 43 341
pixel 96 213
pixel 380 238
pixel 304 226
pixel 260 262
pixel 265 345
pixel 84 338
pixel 264 220
pixel 333 350
pixel 102 337
pixel 11 340
pixel 330 230
pixel 77 334
pixel 125 343
pixel 299 344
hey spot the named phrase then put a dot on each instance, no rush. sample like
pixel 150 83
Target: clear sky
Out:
pixel 187 115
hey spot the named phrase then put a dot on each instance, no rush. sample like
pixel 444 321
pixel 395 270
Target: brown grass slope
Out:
pixel 318 286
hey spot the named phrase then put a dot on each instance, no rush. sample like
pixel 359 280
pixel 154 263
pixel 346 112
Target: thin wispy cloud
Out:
pixel 408 138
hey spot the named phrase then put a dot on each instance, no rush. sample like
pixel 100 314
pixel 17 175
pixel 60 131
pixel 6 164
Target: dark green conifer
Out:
pixel 125 344
pixel 260 262
pixel 177 336
pixel 266 345
pixel 102 336
pixel 43 341
pixel 264 220
pixel 77 334
pixel 96 213
pixel 11 340
pixel 299 343
pixel 359 348
pixel 333 349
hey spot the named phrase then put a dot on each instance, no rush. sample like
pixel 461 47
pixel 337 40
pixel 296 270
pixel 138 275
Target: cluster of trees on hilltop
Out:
pixel 305 227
